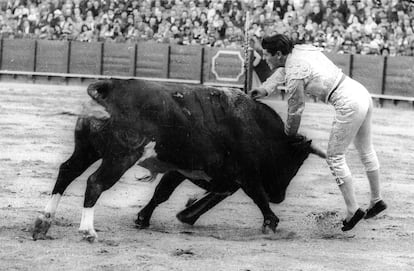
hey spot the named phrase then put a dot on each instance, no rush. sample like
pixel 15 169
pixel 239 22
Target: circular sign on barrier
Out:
pixel 227 65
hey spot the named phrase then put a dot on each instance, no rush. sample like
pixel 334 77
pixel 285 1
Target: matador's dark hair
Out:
pixel 278 42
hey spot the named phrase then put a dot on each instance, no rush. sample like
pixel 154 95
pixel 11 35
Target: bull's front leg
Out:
pixel 196 207
pixel 257 193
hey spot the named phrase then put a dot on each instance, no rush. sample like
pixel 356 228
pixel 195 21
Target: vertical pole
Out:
pixel 249 70
pixel 35 56
pixel 383 81
pixel 168 60
pixel 69 51
pixel 68 61
pixel 101 60
pixel 1 53
pixel 248 55
pixel 384 72
pixel 134 61
pixel 33 77
pixel 202 66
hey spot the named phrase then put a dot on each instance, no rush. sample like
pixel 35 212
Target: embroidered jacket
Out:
pixel 309 72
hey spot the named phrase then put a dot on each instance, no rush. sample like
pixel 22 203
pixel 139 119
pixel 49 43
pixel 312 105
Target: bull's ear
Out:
pixel 99 90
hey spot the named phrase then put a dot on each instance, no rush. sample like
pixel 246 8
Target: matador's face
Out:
pixel 274 61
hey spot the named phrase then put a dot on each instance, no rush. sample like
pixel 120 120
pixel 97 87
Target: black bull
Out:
pixel 219 139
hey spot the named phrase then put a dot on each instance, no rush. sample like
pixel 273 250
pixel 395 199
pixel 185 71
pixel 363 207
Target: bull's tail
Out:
pixel 99 90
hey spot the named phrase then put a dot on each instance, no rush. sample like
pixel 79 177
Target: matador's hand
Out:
pixel 257 93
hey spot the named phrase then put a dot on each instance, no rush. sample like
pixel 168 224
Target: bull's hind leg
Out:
pixel 83 156
pixel 162 192
pixel 109 172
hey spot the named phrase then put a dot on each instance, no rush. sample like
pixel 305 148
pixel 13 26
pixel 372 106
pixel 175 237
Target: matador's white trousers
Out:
pixel 352 123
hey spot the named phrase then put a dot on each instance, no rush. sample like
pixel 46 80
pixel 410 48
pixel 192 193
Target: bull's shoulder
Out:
pixel 265 110
pixel 269 120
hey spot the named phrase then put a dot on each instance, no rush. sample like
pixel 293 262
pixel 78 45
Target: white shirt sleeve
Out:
pixel 296 105
pixel 276 79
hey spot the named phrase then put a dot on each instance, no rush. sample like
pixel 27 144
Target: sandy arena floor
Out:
pixel 36 135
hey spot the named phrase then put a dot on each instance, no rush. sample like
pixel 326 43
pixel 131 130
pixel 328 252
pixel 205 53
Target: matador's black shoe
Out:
pixel 349 225
pixel 376 209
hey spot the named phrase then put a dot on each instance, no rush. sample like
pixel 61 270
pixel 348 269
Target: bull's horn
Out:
pixel 317 151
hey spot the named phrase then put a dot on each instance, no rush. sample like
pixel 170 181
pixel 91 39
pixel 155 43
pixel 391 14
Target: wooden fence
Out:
pixel 389 79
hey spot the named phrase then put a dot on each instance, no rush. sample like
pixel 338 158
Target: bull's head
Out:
pixel 291 156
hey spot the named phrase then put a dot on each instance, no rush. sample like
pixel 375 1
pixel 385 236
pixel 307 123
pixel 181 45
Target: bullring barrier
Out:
pixel 390 80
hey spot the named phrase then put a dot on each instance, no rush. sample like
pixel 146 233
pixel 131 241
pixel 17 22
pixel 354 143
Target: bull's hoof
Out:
pixel 190 201
pixel 270 223
pixel 190 220
pixel 141 222
pixel 89 235
pixel 41 226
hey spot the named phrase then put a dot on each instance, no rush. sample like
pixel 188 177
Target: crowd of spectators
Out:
pixel 342 26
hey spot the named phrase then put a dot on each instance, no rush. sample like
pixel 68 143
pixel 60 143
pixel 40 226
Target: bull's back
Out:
pixel 205 125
